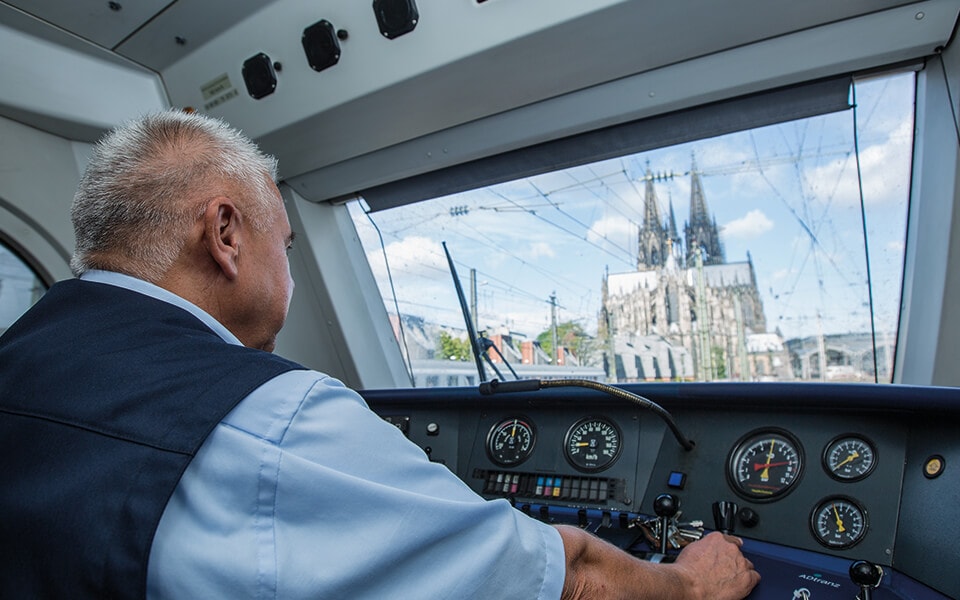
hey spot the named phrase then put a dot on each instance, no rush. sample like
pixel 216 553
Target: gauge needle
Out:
pixel 853 456
pixel 767 465
pixel 840 526
pixel 581 444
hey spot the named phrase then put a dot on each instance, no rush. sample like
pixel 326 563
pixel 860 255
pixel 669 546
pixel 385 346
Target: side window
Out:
pixel 20 287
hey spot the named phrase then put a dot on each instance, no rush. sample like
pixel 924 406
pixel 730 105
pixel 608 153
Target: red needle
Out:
pixel 758 466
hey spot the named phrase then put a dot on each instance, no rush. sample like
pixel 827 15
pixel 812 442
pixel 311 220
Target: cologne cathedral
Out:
pixel 686 313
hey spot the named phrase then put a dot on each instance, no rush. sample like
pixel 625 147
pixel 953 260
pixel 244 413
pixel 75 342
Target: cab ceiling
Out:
pixel 109 24
pixel 464 61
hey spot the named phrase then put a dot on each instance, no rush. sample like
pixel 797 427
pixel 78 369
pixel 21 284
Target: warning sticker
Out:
pixel 218 91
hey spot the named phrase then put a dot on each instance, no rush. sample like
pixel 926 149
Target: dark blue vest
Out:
pixel 105 397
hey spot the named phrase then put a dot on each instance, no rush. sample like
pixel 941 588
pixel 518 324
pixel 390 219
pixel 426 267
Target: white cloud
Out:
pixel 415 255
pixel 896 246
pixel 780 274
pixel 540 249
pixel 751 225
pixel 884 170
pixel 617 230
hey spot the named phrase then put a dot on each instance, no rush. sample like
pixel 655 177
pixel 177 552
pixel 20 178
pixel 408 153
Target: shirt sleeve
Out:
pixel 303 492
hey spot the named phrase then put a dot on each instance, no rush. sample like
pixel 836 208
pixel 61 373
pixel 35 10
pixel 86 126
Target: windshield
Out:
pixel 772 254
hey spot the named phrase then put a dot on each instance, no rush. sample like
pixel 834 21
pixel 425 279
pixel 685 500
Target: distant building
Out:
pixel 524 356
pixel 686 313
pixel 845 357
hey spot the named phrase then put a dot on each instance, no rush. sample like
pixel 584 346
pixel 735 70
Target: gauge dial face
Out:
pixel 838 522
pixel 592 444
pixel 510 442
pixel 849 458
pixel 765 464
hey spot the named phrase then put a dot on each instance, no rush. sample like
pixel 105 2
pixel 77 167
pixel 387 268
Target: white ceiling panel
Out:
pixel 102 22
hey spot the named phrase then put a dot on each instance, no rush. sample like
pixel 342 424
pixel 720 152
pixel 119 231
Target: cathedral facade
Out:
pixel 686 313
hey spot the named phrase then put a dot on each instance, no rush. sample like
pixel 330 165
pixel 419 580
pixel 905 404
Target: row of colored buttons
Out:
pixel 530 485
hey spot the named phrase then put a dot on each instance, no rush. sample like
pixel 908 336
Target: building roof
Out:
pixel 716 276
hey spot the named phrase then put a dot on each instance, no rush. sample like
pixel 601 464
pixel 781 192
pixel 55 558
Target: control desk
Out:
pixel 814 477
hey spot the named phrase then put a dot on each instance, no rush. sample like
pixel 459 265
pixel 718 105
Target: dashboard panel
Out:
pixel 822 475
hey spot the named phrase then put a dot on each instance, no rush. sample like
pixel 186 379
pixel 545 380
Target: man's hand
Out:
pixel 715 568
pixel 712 568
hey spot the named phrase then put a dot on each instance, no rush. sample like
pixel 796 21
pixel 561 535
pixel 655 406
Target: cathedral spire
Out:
pixel 673 223
pixel 651 206
pixel 652 241
pixel 701 231
pixel 675 241
pixel 698 202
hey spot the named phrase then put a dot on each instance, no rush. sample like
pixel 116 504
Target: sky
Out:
pixel 787 194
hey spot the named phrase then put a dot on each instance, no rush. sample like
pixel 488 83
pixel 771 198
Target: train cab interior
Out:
pixel 652 269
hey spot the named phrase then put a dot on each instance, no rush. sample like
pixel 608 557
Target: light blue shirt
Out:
pixel 303 492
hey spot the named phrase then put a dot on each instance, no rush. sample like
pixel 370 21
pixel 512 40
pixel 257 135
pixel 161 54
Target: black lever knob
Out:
pixel 666 505
pixel 866 575
pixel 725 516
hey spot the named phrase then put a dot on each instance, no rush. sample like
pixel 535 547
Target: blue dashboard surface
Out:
pixel 803 575
pixel 787 573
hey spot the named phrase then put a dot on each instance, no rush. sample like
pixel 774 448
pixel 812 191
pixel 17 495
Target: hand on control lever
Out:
pixel 711 568
pixel 721 567
pixel 678 534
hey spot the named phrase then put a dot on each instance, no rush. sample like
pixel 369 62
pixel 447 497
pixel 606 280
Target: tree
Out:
pixel 451 348
pixel 719 364
pixel 571 335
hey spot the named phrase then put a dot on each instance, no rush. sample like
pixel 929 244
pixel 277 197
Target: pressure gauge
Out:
pixel 511 441
pixel 838 522
pixel 849 458
pixel 765 464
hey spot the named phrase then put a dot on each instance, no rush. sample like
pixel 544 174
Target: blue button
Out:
pixel 677 480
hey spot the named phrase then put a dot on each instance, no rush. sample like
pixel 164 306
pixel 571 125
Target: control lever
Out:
pixel 665 506
pixel 725 516
pixel 867 575
pixel 666 530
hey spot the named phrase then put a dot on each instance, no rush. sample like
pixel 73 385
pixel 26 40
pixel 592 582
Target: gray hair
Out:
pixel 138 197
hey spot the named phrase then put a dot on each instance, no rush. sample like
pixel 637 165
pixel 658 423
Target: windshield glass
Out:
pixel 741 257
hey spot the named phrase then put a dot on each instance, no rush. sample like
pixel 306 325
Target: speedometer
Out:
pixel 765 464
pixel 592 444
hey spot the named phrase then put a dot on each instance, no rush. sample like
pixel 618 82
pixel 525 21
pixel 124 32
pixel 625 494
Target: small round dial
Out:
pixel 838 522
pixel 592 444
pixel 511 441
pixel 849 458
pixel 765 464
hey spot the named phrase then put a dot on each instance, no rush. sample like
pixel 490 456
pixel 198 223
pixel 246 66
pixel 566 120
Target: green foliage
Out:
pixel 719 365
pixel 571 335
pixel 451 348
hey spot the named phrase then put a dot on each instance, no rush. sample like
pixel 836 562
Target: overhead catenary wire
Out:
pixel 485 240
pixel 567 231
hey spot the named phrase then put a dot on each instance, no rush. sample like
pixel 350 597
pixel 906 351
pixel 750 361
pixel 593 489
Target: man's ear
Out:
pixel 221 221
